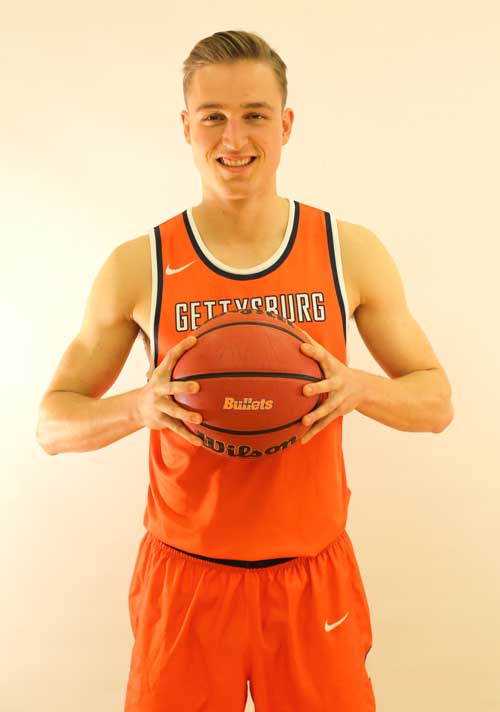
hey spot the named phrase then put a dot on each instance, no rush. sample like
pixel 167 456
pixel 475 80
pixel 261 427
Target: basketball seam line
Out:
pixel 250 374
pixel 251 432
pixel 251 323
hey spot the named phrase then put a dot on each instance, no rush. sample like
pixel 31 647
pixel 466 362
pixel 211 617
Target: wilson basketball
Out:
pixel 251 373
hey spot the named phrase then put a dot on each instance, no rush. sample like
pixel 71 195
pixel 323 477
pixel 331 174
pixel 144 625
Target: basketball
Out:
pixel 251 373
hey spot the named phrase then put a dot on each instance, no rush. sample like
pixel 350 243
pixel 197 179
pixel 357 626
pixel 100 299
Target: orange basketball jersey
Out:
pixel 293 503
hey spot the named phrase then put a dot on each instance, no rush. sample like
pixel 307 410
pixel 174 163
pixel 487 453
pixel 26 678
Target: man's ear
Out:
pixel 185 123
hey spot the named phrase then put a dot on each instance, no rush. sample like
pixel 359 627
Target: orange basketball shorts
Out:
pixel 298 631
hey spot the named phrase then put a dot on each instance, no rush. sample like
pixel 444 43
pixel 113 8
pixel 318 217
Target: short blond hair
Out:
pixel 232 46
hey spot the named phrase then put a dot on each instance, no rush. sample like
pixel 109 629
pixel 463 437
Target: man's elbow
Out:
pixel 42 439
pixel 446 415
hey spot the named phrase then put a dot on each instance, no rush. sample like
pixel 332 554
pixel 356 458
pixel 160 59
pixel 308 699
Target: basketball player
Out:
pixel 246 571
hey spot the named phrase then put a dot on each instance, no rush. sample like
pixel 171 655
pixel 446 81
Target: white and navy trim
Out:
pixel 338 274
pixel 257 271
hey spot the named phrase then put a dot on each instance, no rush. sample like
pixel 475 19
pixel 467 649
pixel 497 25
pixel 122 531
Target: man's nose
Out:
pixel 235 134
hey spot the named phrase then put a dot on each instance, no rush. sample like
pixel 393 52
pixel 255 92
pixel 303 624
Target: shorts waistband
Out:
pixel 340 542
pixel 262 563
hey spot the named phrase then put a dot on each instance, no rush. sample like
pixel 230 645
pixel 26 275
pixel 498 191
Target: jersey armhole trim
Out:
pixel 156 290
pixel 338 274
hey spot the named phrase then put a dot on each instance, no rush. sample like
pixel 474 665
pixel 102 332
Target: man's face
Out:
pixel 233 130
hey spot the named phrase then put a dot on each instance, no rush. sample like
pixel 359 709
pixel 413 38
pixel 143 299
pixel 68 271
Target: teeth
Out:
pixel 236 163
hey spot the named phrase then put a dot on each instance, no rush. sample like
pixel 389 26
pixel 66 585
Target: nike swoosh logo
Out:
pixel 328 628
pixel 170 270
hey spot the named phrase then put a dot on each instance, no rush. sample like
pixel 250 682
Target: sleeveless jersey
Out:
pixel 293 503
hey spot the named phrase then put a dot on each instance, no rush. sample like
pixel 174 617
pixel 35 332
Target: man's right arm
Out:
pixel 72 422
pixel 72 415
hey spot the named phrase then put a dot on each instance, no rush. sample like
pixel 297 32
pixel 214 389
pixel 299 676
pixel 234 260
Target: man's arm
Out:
pixel 416 396
pixel 72 416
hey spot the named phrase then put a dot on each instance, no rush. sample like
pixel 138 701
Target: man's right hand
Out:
pixel 156 407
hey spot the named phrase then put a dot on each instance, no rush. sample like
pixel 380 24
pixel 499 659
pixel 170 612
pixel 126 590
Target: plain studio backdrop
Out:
pixel 396 128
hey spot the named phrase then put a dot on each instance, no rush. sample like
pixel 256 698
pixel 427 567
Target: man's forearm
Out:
pixel 417 402
pixel 72 422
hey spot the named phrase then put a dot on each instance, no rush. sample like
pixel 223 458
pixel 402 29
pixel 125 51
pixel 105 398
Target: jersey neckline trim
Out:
pixel 257 271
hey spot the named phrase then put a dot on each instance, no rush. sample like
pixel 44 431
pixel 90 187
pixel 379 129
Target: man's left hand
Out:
pixel 346 388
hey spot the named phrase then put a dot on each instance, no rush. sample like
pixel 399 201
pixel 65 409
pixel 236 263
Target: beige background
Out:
pixel 396 127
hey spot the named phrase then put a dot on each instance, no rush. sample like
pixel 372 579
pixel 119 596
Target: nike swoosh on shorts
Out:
pixel 328 628
pixel 170 270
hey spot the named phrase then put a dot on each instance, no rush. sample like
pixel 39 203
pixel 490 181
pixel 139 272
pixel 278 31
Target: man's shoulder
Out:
pixel 134 254
pixel 133 268
pixel 358 242
pixel 363 256
pixel 135 245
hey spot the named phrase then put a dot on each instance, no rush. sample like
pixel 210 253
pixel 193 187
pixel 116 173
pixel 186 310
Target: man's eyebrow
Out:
pixel 250 105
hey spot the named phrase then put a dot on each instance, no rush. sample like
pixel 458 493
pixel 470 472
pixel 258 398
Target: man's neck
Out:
pixel 242 222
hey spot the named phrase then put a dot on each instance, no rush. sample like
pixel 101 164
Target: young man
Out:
pixel 246 571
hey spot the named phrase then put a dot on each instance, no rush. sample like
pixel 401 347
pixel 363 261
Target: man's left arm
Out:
pixel 416 395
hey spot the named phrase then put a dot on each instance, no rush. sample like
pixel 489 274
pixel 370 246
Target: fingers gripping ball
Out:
pixel 251 373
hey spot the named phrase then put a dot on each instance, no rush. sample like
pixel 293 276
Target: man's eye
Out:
pixel 207 118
